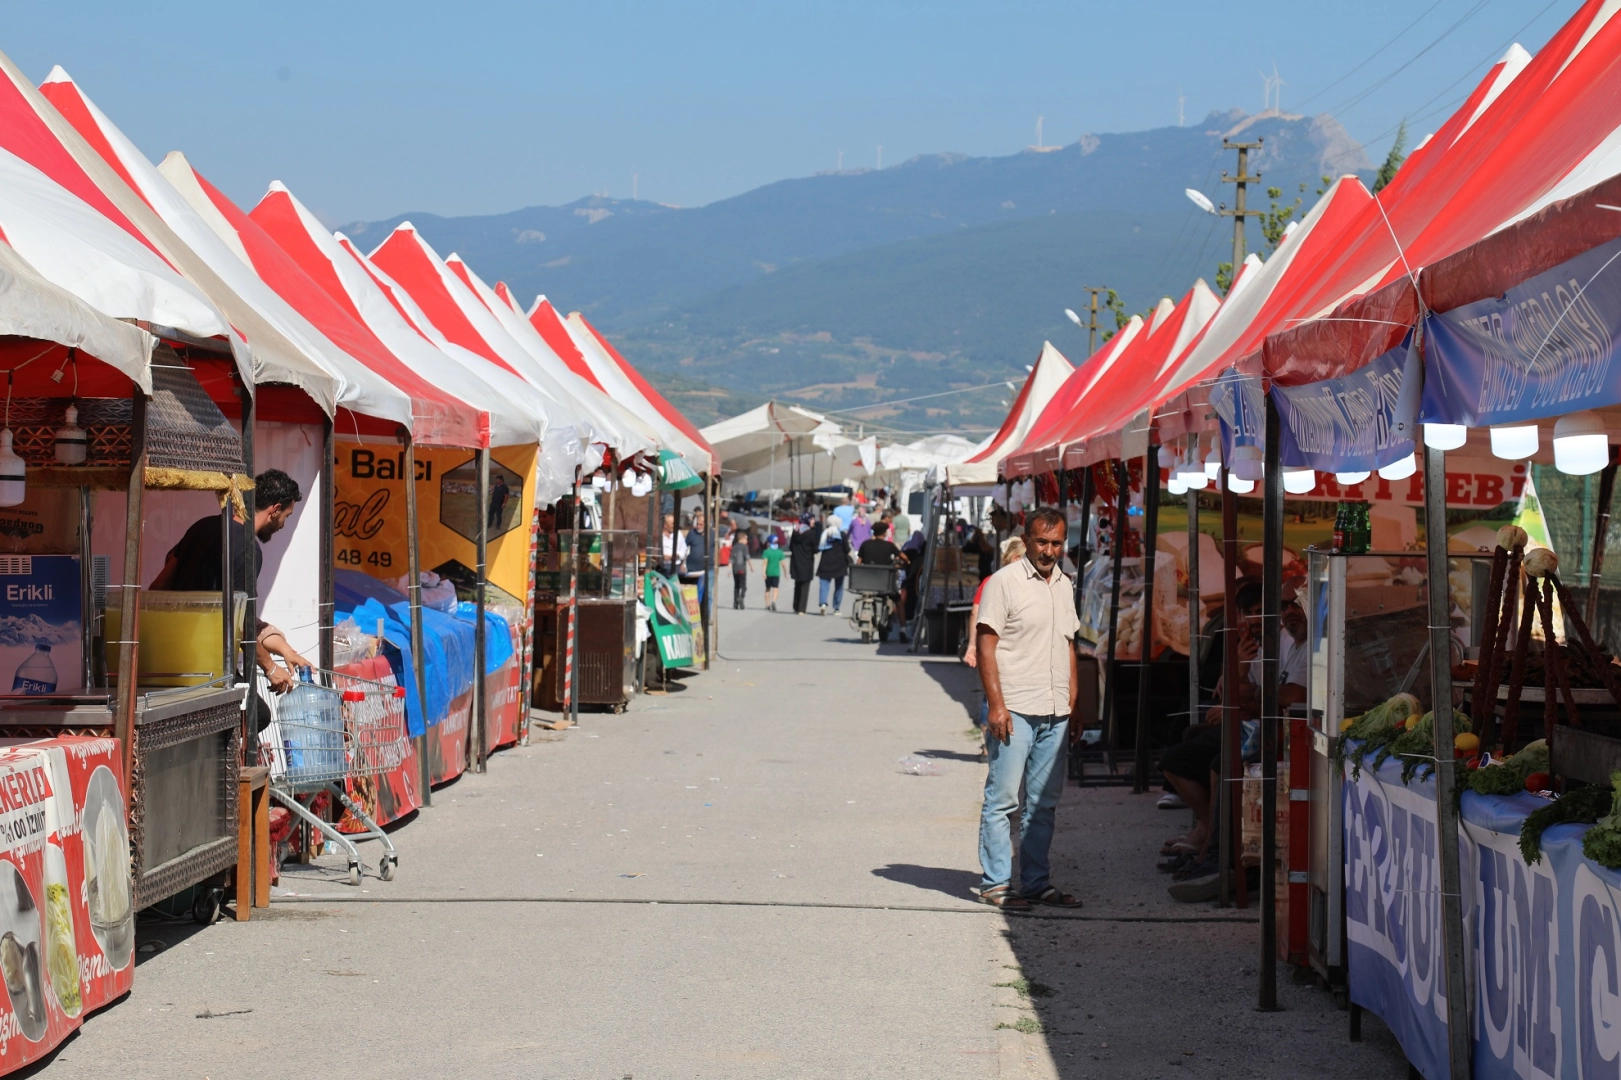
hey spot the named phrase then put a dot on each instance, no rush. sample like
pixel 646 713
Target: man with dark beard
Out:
pixel 196 562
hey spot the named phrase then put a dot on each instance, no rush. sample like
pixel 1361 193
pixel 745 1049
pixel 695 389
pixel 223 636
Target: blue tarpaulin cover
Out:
pixel 447 643
pixel 497 635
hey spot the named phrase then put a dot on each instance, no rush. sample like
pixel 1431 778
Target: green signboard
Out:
pixel 671 628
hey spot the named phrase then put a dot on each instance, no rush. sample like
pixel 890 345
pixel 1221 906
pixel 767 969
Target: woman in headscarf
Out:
pixel 802 560
pixel 835 565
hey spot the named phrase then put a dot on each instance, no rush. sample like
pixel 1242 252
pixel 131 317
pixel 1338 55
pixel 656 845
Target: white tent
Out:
pixel 384 311
pixel 31 307
pixel 1050 372
pixel 344 380
pixel 616 381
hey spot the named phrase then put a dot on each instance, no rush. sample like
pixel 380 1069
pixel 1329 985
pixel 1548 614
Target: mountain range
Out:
pixel 846 289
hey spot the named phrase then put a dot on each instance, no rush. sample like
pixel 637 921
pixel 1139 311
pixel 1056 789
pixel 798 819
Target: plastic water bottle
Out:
pixel 312 729
pixel 36 674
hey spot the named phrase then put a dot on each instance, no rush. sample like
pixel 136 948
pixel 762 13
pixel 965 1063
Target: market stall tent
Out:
pixel 555 332
pixel 462 319
pixel 1050 414
pixel 756 440
pixel 1118 423
pixel 38 310
pixel 627 385
pixel 58 218
pixel 384 312
pixel 436 416
pixel 614 426
pixel 1050 372
pixel 349 382
pixel 1100 425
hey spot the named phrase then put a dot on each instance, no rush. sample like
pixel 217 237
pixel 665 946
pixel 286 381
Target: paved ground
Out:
pixel 732 880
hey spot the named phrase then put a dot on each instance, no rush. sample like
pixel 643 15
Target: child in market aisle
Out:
pixel 773 558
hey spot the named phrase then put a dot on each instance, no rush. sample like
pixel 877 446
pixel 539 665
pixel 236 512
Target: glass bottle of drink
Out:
pixel 1340 527
pixel 1364 529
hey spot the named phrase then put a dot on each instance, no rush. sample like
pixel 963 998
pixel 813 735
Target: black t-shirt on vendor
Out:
pixel 876 552
pixel 199 560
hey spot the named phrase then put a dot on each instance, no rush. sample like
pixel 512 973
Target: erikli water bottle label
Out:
pixel 36 674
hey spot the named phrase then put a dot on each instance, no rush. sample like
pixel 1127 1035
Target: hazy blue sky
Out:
pixel 368 109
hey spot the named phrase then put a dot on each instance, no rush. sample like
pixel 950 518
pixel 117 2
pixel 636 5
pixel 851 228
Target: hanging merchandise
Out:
pixel 13 473
pixel 72 444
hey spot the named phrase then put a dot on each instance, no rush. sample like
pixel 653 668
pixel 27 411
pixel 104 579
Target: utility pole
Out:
pixel 1092 323
pixel 1239 211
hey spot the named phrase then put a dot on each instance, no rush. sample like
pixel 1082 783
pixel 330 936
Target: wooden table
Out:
pixel 252 841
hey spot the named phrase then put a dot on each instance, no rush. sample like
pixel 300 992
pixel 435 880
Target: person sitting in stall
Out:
pixel 1190 766
pixel 195 564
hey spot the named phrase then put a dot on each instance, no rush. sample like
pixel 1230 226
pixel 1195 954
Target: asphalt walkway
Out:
pixel 734 879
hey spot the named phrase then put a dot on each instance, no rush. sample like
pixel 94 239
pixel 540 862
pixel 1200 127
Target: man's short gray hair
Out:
pixel 1044 516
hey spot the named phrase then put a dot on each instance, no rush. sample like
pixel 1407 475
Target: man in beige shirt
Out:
pixel 1025 639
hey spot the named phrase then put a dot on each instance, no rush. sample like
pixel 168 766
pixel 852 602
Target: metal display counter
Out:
pixel 183 788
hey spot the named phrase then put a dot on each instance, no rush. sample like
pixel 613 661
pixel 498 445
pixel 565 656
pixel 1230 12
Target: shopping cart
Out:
pixel 325 731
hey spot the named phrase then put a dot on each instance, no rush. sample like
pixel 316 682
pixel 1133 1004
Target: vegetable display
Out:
pixel 1602 843
pixel 1508 777
pixel 1583 804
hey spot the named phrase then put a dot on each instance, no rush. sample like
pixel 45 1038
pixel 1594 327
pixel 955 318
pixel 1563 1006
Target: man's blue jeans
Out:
pixel 1034 756
pixel 838 592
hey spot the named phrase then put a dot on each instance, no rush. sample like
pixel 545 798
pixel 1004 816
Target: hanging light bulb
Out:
pixel 1193 475
pixel 1175 485
pixel 1515 442
pixel 1350 479
pixel 13 473
pixel 1248 464
pixel 1167 458
pixel 1580 443
pixel 1445 436
pixel 1401 468
pixel 72 444
pixel 1238 486
pixel 1212 463
pixel 1299 481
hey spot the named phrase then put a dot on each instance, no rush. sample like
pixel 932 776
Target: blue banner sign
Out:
pixel 1238 403
pixel 1542 943
pixel 1544 348
pixel 1356 423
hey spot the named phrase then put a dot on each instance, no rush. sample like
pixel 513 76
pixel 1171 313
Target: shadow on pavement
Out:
pixel 950 755
pixel 954 882
pixel 960 681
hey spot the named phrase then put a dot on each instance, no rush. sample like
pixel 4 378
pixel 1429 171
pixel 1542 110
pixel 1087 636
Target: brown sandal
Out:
pixel 1053 897
pixel 1003 896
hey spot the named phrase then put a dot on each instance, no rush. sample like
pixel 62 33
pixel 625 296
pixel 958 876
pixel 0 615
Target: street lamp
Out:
pixel 1200 199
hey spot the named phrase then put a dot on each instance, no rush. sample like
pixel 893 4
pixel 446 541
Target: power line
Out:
pixel 922 397
pixel 1373 56
pixel 1362 95
pixel 1491 58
